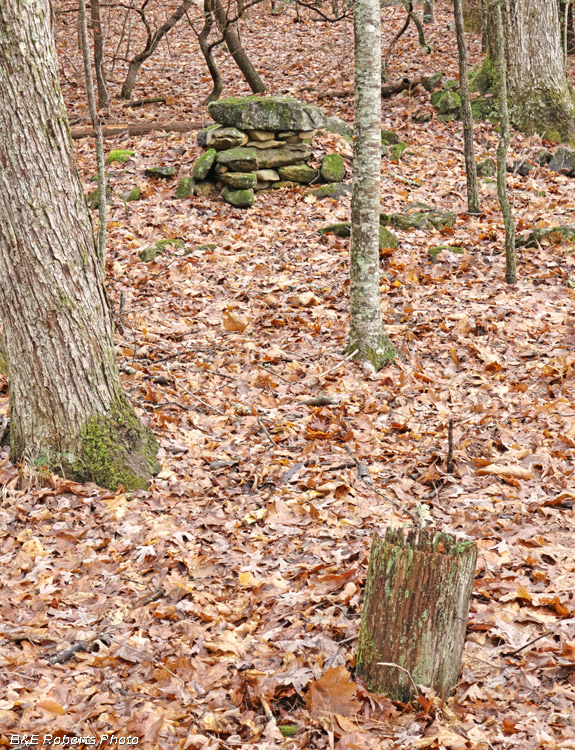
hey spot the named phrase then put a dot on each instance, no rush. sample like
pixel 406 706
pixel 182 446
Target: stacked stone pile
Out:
pixel 259 144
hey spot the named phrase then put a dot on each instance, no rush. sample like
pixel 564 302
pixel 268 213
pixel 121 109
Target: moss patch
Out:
pixel 115 449
pixel 120 155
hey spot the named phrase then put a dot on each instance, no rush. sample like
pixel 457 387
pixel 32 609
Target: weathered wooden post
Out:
pixel 415 611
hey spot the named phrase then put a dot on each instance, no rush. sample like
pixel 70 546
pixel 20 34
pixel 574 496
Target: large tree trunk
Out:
pixel 472 16
pixel 367 335
pixel 540 98
pixel 67 407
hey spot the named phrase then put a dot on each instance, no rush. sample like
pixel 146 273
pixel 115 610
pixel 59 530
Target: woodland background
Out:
pixel 230 593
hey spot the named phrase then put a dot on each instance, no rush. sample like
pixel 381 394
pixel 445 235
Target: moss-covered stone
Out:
pixel 238 159
pixel 484 108
pixel 334 190
pixel 447 103
pixel 332 168
pixel 432 82
pixel 274 113
pixel 225 138
pixel 185 188
pixel 132 195
pixel 342 229
pixel 239 180
pixel 160 173
pixel 93 198
pixel 298 173
pixel 486 168
pixel 558 235
pixel 202 166
pixel 543 158
pixel 388 137
pixel 387 240
pixel 396 151
pixel 291 153
pixel 338 126
pixel 238 198
pixel 115 449
pixel 120 155
pixel 563 162
pixel 419 215
pixel 152 251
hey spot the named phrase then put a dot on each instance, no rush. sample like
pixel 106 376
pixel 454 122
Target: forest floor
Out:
pixel 226 600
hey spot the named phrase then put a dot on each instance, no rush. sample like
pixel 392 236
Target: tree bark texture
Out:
pixel 67 407
pixel 367 335
pixel 415 610
pixel 429 11
pixel 472 16
pixel 540 98
pixel 152 42
pixel 499 50
pixel 99 53
pixel 207 51
pixel 466 113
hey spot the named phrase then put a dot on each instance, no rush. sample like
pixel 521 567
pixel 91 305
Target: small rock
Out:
pixel 486 168
pixel 204 135
pixel 267 175
pixel 342 229
pixel 422 116
pixel 436 250
pixel 120 155
pixel 299 173
pixel 543 158
pixel 262 135
pixel 283 184
pixel 160 173
pixel 563 162
pixel 93 198
pixel 388 137
pixel 202 166
pixel 419 216
pixel 132 195
pixel 397 150
pixel 334 190
pixel 239 159
pixel 240 180
pixel 521 168
pixel 274 158
pixel 266 144
pixel 338 126
pixel 332 168
pixel 238 198
pixel 432 82
pixel 185 187
pixel 387 240
pixel 224 138
pixel 447 103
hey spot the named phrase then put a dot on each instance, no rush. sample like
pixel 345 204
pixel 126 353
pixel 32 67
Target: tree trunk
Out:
pixel 367 335
pixel 415 612
pixel 428 11
pixel 466 113
pixel 67 407
pixel 540 98
pixel 207 51
pixel 501 77
pixel 236 50
pixel 99 53
pixel 472 16
pixel 151 44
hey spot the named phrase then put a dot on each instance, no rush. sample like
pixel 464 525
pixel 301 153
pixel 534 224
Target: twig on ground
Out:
pixel 403 669
pixel 266 431
pixel 449 461
pixel 362 470
pixel 334 368
pixel 145 655
pixel 530 643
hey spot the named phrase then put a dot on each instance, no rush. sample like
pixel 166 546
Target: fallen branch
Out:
pixel 141 102
pixel 141 128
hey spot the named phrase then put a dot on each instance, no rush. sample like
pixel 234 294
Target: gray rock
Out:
pixel 238 198
pixel 266 144
pixel 486 168
pixel 239 159
pixel 262 135
pixel 334 190
pixel 132 195
pixel 388 137
pixel 432 82
pixel 299 173
pixel 240 180
pixel 202 166
pixel 204 135
pixel 160 173
pixel 277 113
pixel 332 168
pixel 419 215
pixel 280 157
pixel 563 162
pixel 338 126
pixel 185 187
pixel 267 175
pixel 224 138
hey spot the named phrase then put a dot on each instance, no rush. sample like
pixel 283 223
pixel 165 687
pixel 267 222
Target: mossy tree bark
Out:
pixel 67 407
pixel 472 16
pixel 235 47
pixel 367 334
pixel 539 95
pixel 415 611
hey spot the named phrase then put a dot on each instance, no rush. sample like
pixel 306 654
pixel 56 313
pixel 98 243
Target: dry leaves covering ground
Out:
pixel 230 593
